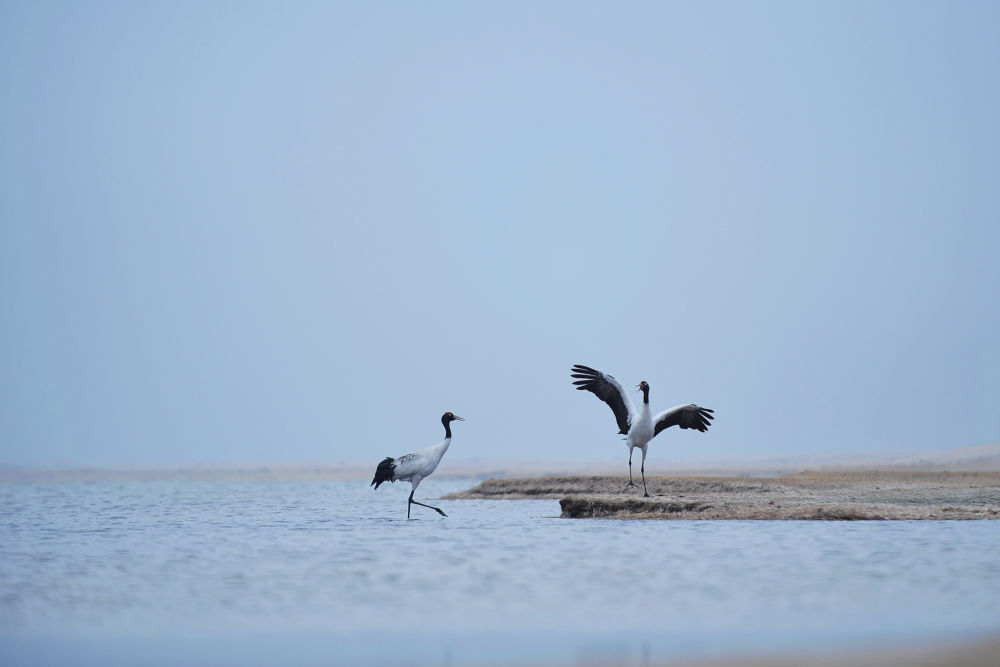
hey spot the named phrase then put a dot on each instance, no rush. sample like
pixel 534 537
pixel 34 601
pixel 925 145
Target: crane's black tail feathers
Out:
pixel 385 472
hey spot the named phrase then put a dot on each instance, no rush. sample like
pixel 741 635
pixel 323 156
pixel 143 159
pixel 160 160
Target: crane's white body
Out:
pixel 641 431
pixel 414 467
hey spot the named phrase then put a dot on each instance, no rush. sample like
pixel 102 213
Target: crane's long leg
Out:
pixel 416 502
pixel 642 468
pixel 630 482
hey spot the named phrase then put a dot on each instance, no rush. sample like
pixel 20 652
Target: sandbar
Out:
pixel 820 495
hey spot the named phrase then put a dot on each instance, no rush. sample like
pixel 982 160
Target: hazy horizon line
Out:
pixel 978 458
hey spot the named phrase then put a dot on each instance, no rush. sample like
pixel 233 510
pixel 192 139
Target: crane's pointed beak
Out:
pixel 461 419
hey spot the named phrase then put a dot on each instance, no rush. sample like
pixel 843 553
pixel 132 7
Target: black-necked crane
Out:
pixel 415 467
pixel 638 427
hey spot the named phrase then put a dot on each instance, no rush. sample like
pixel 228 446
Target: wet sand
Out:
pixel 835 495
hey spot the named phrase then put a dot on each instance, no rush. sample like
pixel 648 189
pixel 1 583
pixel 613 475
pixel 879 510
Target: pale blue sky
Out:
pixel 299 232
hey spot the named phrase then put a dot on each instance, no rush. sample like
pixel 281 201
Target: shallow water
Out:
pixel 333 573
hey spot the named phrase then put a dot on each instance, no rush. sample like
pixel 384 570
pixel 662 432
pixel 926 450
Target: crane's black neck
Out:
pixel 447 426
pixel 645 394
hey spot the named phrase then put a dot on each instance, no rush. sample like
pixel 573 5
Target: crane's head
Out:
pixel 643 386
pixel 449 417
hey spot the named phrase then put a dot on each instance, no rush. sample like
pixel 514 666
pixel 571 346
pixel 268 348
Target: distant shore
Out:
pixel 975 458
pixel 974 652
pixel 840 495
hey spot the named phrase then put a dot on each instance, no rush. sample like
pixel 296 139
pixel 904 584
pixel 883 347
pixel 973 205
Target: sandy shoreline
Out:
pixel 853 495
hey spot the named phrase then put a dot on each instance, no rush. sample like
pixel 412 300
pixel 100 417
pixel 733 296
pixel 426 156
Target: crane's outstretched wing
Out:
pixel 685 416
pixel 606 388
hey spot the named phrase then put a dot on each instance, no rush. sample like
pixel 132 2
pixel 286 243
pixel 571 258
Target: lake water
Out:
pixel 264 573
